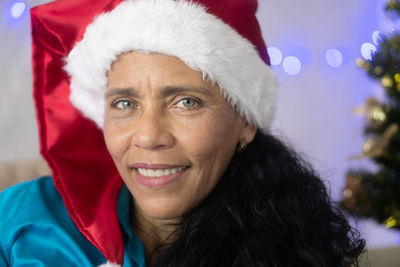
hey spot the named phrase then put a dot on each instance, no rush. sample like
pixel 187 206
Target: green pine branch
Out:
pixel 376 195
pixel 393 6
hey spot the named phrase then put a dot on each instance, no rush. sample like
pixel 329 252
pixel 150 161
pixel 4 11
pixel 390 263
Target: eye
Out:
pixel 188 102
pixel 123 104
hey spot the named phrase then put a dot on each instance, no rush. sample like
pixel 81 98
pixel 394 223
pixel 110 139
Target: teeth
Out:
pixel 159 172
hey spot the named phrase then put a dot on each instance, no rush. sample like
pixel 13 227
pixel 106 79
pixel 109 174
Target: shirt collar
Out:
pixel 133 246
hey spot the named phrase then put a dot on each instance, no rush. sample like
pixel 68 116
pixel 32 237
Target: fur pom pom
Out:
pixel 109 264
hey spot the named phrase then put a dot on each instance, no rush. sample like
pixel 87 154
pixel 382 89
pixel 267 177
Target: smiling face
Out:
pixel 170 133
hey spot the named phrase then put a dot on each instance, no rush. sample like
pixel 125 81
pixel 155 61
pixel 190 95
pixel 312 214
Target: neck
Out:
pixel 153 232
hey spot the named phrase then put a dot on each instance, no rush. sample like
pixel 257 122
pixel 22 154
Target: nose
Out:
pixel 151 131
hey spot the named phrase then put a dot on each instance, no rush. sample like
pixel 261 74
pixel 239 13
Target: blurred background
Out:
pixel 314 46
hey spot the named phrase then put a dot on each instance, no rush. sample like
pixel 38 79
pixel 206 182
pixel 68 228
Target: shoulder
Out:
pixel 36 227
pixel 18 196
pixel 27 200
pixel 33 201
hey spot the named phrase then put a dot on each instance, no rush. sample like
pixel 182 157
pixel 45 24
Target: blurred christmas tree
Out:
pixel 377 195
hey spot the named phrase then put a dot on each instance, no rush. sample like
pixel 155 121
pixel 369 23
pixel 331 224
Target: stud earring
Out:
pixel 241 146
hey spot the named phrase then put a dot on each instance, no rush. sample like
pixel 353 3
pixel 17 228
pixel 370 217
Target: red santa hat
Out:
pixel 221 39
pixel 188 30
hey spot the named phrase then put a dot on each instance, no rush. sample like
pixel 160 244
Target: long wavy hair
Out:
pixel 269 209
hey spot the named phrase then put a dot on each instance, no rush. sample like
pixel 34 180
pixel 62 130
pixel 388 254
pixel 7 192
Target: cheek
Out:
pixel 117 143
pixel 211 139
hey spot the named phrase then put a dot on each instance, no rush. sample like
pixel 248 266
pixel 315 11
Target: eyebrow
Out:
pixel 172 90
pixel 123 92
pixel 166 91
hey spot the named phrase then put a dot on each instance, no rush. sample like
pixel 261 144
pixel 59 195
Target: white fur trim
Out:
pixel 109 264
pixel 178 28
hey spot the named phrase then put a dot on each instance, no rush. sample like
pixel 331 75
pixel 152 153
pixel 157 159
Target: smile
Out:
pixel 159 172
pixel 158 175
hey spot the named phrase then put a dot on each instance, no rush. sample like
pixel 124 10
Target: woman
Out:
pixel 181 95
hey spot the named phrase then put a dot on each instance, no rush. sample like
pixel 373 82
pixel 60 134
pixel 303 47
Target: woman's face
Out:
pixel 170 133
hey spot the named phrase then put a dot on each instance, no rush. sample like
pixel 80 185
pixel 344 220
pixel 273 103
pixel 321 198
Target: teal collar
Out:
pixel 133 246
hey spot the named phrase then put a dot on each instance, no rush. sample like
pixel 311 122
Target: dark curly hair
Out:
pixel 269 209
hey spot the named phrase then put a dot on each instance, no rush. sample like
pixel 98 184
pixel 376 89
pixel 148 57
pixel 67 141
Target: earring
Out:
pixel 241 146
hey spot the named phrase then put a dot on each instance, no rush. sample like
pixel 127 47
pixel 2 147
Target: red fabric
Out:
pixel 74 147
pixel 240 15
pixel 83 171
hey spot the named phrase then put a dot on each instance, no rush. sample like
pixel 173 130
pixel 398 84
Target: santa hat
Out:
pixel 221 39
pixel 188 30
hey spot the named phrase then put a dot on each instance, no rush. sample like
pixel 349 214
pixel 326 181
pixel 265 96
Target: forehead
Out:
pixel 135 67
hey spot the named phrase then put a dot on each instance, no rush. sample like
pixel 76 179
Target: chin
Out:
pixel 163 209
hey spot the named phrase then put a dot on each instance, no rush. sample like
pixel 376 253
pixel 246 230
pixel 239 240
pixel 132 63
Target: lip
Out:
pixel 157 182
pixel 154 166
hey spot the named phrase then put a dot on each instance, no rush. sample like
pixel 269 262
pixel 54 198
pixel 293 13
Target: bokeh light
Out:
pixel 292 65
pixel 376 37
pixel 367 49
pixel 17 9
pixel 275 55
pixel 334 57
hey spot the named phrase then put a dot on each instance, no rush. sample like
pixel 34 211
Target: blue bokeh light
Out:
pixel 292 65
pixel 376 37
pixel 334 58
pixel 275 55
pixel 367 49
pixel 17 9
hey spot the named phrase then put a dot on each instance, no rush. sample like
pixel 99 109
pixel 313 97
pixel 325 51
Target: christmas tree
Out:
pixel 369 194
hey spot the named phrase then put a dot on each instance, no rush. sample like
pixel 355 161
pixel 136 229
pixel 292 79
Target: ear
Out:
pixel 248 132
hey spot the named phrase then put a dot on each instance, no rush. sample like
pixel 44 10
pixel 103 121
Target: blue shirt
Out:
pixel 36 230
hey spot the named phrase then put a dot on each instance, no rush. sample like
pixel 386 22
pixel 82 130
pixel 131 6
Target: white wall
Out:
pixel 18 131
pixel 314 107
